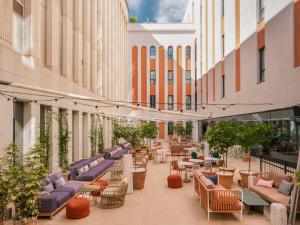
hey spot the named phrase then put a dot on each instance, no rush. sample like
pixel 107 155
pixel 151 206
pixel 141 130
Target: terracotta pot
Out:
pixel 2 222
pixel 244 176
pixel 139 176
pixel 246 157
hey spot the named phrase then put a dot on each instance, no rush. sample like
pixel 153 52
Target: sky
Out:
pixel 160 11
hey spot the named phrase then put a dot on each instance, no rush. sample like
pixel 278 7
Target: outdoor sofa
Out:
pixel 90 169
pixel 53 201
pixel 116 152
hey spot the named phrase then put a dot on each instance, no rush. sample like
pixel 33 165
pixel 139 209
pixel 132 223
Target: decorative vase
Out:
pixel 246 157
pixel 139 176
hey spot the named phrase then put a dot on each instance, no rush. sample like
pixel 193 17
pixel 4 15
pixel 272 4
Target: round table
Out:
pixel 186 165
pixel 86 192
pixel 190 150
pixel 225 179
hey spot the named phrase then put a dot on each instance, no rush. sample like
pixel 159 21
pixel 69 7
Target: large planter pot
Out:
pixel 225 179
pixel 139 176
pixel 226 169
pixel 33 221
pixel 246 157
pixel 2 222
pixel 245 175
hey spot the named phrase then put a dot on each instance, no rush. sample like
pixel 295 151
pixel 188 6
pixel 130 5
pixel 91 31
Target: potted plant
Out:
pixel 148 131
pixel 27 182
pixel 180 131
pixel 171 131
pixel 189 130
pixel 222 136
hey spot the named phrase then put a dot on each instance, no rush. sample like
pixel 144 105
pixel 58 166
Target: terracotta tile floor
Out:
pixel 156 204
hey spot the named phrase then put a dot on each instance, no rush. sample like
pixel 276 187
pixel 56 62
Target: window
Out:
pixel 261 9
pixel 223 46
pixel 188 52
pixel 222 86
pixel 261 77
pixel 188 77
pixel 170 76
pixel 222 8
pixel 152 52
pixel 170 101
pixel 152 101
pixel 188 102
pixel 170 52
pixel 18 25
pixel 152 77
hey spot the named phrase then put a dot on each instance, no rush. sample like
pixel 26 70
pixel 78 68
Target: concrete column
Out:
pixel 6 20
pixel 77 128
pixel 77 67
pixel 6 118
pixel 67 41
pixel 70 127
pixel 86 43
pixel 54 165
pixel 88 123
pixel 195 131
pixel 31 126
pixel 94 33
pixel 52 35
pixel 105 48
pixel 99 87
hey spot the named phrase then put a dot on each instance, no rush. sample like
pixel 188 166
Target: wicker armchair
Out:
pixel 113 196
pixel 116 171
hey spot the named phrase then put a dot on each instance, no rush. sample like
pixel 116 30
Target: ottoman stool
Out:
pixel 78 208
pixel 174 181
pixel 101 183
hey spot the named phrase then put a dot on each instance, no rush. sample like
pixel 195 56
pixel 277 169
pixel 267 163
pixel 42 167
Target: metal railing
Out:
pixel 268 163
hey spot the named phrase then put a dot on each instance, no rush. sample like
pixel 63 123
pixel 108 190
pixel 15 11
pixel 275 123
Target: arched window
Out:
pixel 152 52
pixel 188 52
pixel 170 52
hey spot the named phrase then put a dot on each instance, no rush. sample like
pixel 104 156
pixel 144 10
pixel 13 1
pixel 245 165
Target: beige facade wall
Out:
pixel 71 46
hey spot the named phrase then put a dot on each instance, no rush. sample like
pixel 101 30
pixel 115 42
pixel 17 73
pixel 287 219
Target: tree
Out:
pixel 189 128
pixel 132 19
pixel 222 136
pixel 179 129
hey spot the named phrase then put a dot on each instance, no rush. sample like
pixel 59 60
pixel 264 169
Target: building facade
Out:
pixel 59 47
pixel 162 68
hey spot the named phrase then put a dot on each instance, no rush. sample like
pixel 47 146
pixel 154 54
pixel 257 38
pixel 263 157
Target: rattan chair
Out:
pixel 116 171
pixel 113 196
pixel 174 166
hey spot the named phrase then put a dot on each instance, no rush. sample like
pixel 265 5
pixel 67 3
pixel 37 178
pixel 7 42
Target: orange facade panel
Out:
pixel 144 76
pixel 188 89
pixel 134 75
pixel 170 89
pixel 261 38
pixel 188 64
pixel 170 64
pixel 297 33
pixel 161 130
pixel 161 77
pixel 179 78
pixel 238 69
pixel 152 64
pixel 152 89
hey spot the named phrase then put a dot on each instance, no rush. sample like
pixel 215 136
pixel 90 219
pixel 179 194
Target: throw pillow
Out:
pixel 213 179
pixel 101 159
pixel 81 170
pixel 93 164
pixel 59 183
pixel 48 188
pixel 286 187
pixel 265 183
pixel 86 168
pixel 278 177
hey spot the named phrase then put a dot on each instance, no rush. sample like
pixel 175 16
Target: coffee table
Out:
pixel 253 201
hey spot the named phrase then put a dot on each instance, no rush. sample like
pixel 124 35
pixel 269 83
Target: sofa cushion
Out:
pixel 213 179
pixel 81 170
pixel 55 176
pixel 286 187
pixel 207 182
pixel 60 196
pixel 93 163
pixel 117 155
pixel 48 188
pixel 278 177
pixel 95 171
pixel 71 187
pixel 59 183
pixel 270 194
pixel 265 183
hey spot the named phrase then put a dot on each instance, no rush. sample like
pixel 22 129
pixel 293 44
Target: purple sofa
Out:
pixel 108 153
pixel 92 173
pixel 48 204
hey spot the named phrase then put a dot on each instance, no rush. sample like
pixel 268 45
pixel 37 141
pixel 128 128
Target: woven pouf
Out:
pixel 101 183
pixel 174 181
pixel 78 208
pixel 278 214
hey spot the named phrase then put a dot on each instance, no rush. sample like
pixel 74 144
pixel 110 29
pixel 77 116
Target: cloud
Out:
pixel 170 11
pixel 135 5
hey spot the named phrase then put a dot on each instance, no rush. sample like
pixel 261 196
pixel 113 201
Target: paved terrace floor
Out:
pixel 157 204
